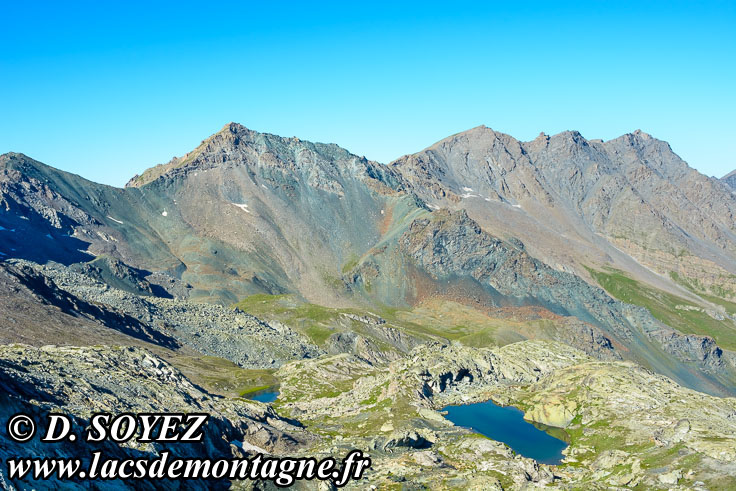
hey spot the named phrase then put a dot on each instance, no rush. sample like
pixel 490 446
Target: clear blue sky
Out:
pixel 107 91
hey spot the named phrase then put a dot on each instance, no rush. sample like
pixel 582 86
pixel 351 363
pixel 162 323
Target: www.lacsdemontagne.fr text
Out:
pixel 282 471
pixel 166 429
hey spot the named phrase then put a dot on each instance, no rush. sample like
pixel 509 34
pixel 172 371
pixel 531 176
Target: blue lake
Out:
pixel 507 425
pixel 266 395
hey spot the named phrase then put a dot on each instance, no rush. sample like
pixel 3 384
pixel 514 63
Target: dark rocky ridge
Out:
pixel 450 247
pixel 209 329
pixel 24 283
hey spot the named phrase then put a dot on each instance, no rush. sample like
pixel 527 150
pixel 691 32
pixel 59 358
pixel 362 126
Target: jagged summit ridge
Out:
pixel 633 187
pixel 236 143
pixel 234 136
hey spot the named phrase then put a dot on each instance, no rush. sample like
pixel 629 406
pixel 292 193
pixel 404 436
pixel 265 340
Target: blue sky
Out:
pixel 107 91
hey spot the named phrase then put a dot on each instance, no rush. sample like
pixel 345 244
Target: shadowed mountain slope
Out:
pixel 730 179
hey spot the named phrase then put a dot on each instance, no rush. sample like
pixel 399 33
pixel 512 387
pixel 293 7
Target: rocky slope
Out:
pixel 210 329
pixel 578 202
pixel 290 213
pixel 730 179
pixel 230 219
pixel 676 438
pixel 446 253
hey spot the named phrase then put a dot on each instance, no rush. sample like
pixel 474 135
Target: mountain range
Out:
pixel 259 251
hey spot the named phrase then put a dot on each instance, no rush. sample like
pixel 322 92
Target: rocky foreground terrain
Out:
pixel 626 426
pixel 589 284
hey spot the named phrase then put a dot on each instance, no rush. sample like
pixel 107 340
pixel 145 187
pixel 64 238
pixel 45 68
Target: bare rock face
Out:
pixel 450 247
pixel 730 179
pixel 574 200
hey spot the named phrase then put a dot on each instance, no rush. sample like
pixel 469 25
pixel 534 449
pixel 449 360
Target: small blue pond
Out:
pixel 507 425
pixel 266 395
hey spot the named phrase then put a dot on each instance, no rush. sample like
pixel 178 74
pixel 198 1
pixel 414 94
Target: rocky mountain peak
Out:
pixel 234 128
pixel 9 155
pixel 477 137
pixel 235 143
pixel 14 159
pixel 639 140
pixel 573 135
pixel 566 141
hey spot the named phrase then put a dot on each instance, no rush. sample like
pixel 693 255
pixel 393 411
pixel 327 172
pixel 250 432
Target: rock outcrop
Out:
pixel 625 425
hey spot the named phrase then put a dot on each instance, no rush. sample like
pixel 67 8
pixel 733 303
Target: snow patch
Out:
pixel 165 213
pixel 488 199
pixel 264 186
pixel 516 206
pixel 468 190
pixel 49 236
pixel 468 195
pixel 382 212
pixel 114 220
pixel 3 254
pixel 242 206
pixel 434 207
pixel 2 228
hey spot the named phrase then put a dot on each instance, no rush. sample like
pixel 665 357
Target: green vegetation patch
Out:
pixel 670 309
pixel 221 376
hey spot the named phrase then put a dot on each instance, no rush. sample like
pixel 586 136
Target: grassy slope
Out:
pixel 221 376
pixel 700 290
pixel 436 318
pixel 313 321
pixel 664 307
